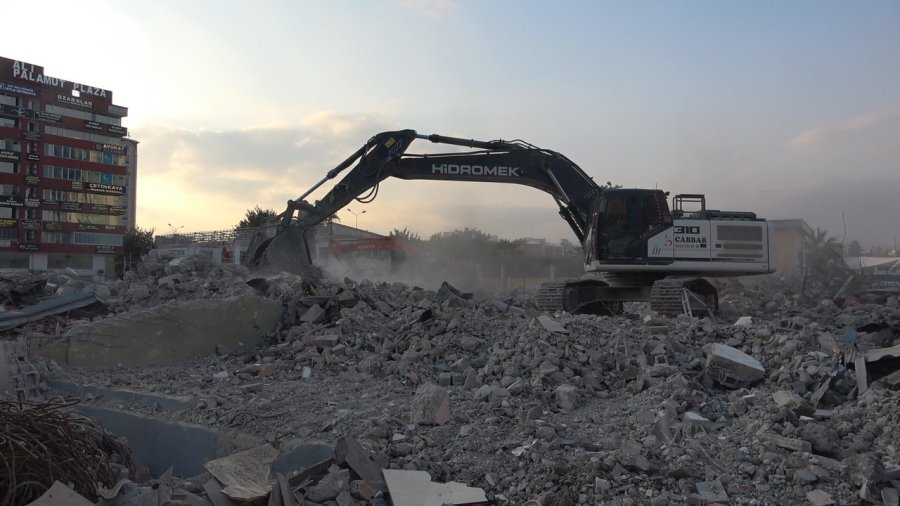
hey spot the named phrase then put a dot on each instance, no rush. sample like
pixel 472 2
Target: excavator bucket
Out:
pixel 287 250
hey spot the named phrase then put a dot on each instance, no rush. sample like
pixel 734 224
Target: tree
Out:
pixel 256 217
pixel 135 244
pixel 405 235
pixel 825 268
pixel 854 249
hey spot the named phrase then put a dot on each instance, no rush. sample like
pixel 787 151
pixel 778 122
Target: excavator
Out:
pixel 637 248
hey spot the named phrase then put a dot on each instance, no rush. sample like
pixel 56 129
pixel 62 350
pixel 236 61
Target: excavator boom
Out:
pixel 284 245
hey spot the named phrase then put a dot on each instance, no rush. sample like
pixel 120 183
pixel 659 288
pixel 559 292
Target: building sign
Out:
pixel 111 148
pixel 117 110
pixel 44 116
pixel 118 131
pixel 105 250
pixel 53 226
pixel 32 180
pixel 93 125
pixel 90 227
pixel 10 200
pixel 11 156
pixel 32 202
pixel 76 185
pixel 15 88
pixel 70 206
pixel 9 223
pixel 11 110
pixel 20 75
pixel 109 189
pixel 30 225
pixel 105 209
pixel 80 102
pixel 31 136
pixel 33 157
pixel 28 247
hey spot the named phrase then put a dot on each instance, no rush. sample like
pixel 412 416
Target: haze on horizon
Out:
pixel 790 110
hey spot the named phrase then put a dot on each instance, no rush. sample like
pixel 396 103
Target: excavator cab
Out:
pixel 623 221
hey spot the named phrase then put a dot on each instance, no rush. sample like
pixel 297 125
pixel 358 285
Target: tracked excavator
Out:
pixel 636 247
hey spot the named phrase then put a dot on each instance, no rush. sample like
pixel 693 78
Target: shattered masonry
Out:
pixel 460 396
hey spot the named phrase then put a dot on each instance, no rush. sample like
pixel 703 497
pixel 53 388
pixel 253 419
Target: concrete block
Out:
pixel 174 332
pixel 732 367
pixel 430 406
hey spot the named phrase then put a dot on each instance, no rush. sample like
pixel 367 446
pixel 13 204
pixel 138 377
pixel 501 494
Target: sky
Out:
pixel 787 109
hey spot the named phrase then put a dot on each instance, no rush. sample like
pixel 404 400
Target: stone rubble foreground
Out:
pixel 560 409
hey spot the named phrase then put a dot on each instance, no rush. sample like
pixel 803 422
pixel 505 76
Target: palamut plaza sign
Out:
pixel 27 73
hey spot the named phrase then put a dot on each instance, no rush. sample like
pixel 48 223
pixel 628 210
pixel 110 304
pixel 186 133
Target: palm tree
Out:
pixel 824 263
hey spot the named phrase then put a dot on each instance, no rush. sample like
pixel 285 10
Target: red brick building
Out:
pixel 67 173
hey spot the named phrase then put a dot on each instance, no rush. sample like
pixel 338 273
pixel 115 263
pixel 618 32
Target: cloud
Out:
pixel 431 8
pixel 239 169
pixel 835 131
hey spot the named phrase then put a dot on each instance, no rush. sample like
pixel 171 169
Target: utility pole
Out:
pixel 355 214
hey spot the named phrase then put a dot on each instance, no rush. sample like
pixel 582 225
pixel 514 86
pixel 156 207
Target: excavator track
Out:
pixel 673 296
pixel 550 297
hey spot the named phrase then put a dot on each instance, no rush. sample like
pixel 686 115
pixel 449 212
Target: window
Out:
pixel 89 176
pixel 84 154
pixel 8 190
pixel 75 113
pixel 6 213
pixel 8 122
pixel 9 233
pixel 30 235
pixel 55 238
pixel 31 214
pixel 8 100
pixel 8 167
pixel 102 239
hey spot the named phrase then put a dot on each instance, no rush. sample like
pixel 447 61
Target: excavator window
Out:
pixel 626 219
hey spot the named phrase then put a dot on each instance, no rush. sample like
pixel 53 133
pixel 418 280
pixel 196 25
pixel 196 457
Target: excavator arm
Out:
pixel 385 155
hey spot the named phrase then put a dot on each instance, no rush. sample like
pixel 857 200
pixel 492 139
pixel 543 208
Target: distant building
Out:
pixel 791 240
pixel 67 173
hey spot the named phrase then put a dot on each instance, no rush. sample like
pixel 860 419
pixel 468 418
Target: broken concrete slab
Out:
pixel 551 325
pixel 819 497
pixel 796 445
pixel 173 332
pixel 731 367
pixel 348 452
pixel 245 474
pixel 415 488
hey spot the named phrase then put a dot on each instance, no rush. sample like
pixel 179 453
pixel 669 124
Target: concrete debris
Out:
pixel 732 367
pixel 431 405
pixel 819 497
pixel 415 488
pixel 60 495
pixel 245 475
pixel 540 408
pixel 551 325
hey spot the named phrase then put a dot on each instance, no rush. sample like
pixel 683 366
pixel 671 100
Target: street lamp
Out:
pixel 356 215
pixel 175 229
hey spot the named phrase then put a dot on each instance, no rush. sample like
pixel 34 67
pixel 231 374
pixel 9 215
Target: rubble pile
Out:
pixel 780 403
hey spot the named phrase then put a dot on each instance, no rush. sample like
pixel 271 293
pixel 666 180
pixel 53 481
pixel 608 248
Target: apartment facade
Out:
pixel 68 173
